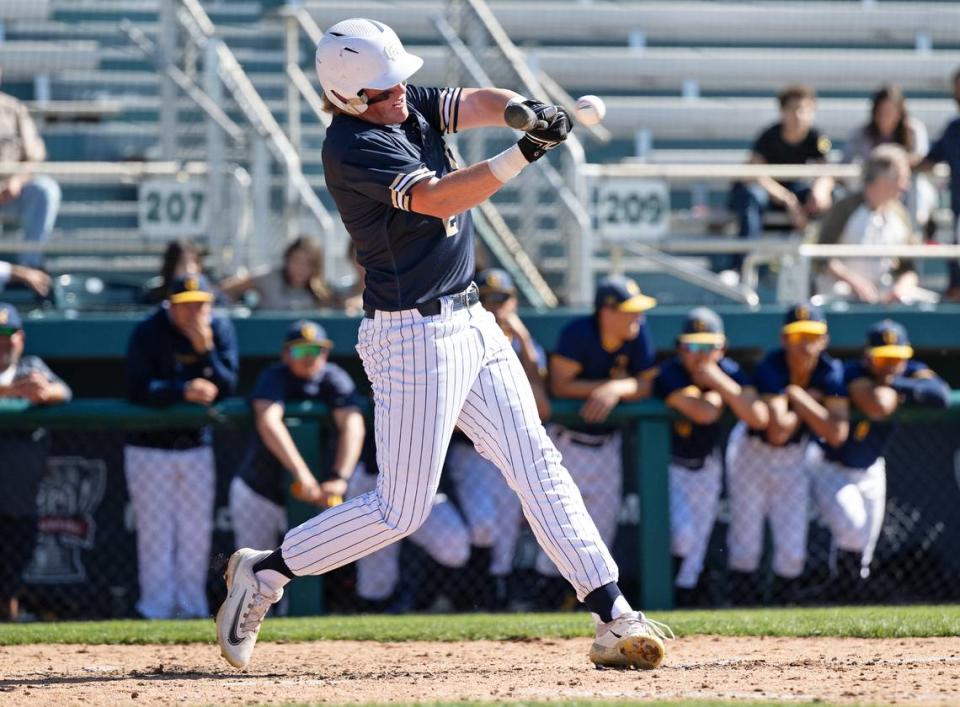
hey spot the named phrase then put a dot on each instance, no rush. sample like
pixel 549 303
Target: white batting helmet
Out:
pixel 357 54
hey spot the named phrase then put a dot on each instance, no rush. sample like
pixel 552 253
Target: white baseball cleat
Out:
pixel 630 641
pixel 242 612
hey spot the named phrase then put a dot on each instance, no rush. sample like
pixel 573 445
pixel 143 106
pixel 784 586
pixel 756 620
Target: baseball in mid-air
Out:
pixel 590 110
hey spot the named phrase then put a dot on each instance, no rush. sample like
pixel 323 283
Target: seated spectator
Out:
pixel 24 455
pixel 36 280
pixel 873 217
pixel 891 124
pixel 850 481
pixel 180 353
pixel 34 200
pixel 258 497
pixel 181 258
pixel 947 149
pixel 296 286
pixel 794 140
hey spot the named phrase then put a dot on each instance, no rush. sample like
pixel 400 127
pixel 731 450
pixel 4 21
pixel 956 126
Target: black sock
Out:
pixel 274 561
pixel 600 601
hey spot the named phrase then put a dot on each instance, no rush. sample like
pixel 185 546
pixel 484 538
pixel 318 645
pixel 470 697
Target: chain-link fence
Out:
pixel 99 524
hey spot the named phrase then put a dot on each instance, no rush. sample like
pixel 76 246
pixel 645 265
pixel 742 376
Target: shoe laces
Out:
pixel 256 610
pixel 657 628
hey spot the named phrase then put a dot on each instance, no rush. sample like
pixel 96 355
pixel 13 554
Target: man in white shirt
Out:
pixel 873 217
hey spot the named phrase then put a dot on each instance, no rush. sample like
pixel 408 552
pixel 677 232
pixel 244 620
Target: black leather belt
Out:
pixel 460 300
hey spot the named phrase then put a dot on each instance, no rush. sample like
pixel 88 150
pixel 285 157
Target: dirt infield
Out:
pixel 905 671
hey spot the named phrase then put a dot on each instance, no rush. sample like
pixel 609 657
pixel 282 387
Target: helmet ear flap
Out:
pixel 351 106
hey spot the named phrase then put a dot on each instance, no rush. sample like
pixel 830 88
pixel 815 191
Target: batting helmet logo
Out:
pixel 308 332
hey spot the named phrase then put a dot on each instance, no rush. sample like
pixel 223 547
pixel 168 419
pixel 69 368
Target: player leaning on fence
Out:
pixel 180 353
pixel 766 475
pixel 850 481
pixel 23 455
pixel 698 382
pixel 435 358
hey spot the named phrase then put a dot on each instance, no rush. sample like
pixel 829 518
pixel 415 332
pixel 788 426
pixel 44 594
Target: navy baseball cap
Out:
pixel 623 294
pixel 9 319
pixel 190 288
pixel 495 281
pixel 888 339
pixel 304 331
pixel 703 326
pixel 805 318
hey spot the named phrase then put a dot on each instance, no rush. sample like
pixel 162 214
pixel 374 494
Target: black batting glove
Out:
pixel 558 123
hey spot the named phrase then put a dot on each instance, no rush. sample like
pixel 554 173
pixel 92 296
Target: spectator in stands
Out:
pixel 947 149
pixel 181 258
pixel 850 482
pixel 36 280
pixel 492 509
pixel 298 285
pixel 891 124
pixel 180 353
pixel 258 491
pixel 794 140
pixel 873 216
pixel 698 382
pixel 23 454
pixel 34 200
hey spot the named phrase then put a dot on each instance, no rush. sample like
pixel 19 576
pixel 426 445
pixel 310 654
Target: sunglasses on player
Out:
pixel 8 331
pixel 699 347
pixel 886 360
pixel 382 96
pixel 301 351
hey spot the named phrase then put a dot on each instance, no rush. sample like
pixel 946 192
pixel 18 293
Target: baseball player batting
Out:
pixel 436 359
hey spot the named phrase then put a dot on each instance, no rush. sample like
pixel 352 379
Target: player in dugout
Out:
pixel 259 490
pixel 699 382
pixel 767 478
pixel 850 481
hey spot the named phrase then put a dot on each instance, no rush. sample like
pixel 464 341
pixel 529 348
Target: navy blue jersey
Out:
pixel 409 258
pixel 690 443
pixel 333 387
pixel 160 362
pixel 772 377
pixel 580 341
pixel 947 149
pixel 868 438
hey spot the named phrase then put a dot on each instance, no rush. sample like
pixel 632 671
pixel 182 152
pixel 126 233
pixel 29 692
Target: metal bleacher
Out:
pixel 697 77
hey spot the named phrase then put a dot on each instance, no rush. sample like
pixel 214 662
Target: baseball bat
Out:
pixel 521 117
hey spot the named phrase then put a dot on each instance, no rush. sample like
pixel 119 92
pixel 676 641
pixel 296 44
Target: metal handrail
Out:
pixel 724 172
pixel 104 171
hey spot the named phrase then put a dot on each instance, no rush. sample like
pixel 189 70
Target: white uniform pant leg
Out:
pixel 258 522
pixel 788 509
pixel 699 492
pixel 378 572
pixel 500 416
pixel 444 535
pixel 193 521
pixel 491 507
pixel 851 502
pixel 598 473
pixel 150 477
pixel 420 369
pixel 746 489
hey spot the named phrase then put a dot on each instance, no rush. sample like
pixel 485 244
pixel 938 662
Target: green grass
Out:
pixel 860 622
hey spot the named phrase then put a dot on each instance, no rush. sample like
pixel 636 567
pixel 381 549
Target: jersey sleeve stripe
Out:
pixel 449 109
pixel 399 196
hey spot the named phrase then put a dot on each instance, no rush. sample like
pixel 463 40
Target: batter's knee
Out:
pixel 404 519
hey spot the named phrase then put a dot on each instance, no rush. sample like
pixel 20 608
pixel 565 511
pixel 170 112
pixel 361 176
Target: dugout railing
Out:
pixel 87 437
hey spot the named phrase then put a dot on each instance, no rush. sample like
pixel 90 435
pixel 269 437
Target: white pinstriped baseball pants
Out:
pixel 430 374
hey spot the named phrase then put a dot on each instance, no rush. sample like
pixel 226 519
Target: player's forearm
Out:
pixel 483 107
pixel 582 389
pixel 818 418
pixel 349 445
pixel 877 402
pixel 783 422
pixel 276 438
pixel 455 192
pixel 697 409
